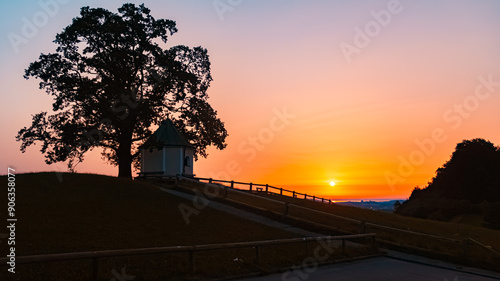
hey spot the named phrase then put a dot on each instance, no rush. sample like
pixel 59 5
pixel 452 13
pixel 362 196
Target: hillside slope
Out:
pixel 87 212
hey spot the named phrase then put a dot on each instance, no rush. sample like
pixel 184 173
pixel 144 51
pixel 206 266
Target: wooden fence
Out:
pixel 95 256
pixel 269 189
pixel 464 249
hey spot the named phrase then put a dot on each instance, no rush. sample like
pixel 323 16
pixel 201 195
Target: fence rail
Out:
pixel 191 250
pixel 268 189
pixel 386 234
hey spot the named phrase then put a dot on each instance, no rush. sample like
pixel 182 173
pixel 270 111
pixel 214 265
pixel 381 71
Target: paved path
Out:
pixel 375 269
pixel 401 268
pixel 244 214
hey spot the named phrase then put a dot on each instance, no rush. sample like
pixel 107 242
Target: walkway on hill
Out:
pixel 244 214
pixel 395 266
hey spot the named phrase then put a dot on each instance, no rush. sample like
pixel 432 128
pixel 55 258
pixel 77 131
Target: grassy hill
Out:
pixel 93 212
pixel 86 212
pixel 445 229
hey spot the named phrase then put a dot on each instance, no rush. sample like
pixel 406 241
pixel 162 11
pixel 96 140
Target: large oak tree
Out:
pixel 113 80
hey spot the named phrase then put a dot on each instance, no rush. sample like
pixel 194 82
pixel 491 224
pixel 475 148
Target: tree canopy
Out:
pixel 113 80
pixel 468 182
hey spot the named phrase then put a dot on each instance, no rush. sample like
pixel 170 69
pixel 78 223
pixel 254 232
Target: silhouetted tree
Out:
pixel 397 204
pixel 470 177
pixel 112 81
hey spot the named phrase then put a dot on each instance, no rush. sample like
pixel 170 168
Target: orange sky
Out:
pixel 299 112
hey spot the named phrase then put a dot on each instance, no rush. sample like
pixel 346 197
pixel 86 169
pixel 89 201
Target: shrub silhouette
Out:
pixel 471 176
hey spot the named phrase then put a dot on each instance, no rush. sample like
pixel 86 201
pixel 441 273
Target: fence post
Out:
pixel 314 198
pixel 305 196
pixel 232 184
pixel 281 191
pixel 257 255
pixel 285 212
pixel 267 187
pixel 293 194
pixel 322 200
pixel 250 186
pixel 307 248
pixel 210 180
pixel 95 268
pixel 362 227
pixel 192 262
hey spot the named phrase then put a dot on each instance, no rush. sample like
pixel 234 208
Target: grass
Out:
pixel 444 240
pixel 86 212
pixel 446 229
pixel 476 255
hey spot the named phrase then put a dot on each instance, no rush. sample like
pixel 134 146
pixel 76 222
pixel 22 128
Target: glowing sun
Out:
pixel 332 183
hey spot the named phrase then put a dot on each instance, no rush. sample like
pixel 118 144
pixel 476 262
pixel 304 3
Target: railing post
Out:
pixel 322 200
pixel 281 191
pixel 305 196
pixel 95 269
pixel 293 192
pixel 210 180
pixel 250 186
pixel 267 187
pixel 232 184
pixel 362 227
pixel 192 262
pixel 257 255
pixel 314 198
pixel 307 248
pixel 285 212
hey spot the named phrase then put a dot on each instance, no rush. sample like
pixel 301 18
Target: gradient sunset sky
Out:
pixel 373 95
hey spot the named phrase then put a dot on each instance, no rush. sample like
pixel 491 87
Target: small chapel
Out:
pixel 167 153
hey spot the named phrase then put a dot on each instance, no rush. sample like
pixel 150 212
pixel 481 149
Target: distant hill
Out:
pixel 384 206
pixel 469 183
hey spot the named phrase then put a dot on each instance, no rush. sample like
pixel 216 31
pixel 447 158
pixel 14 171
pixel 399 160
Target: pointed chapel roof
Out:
pixel 167 135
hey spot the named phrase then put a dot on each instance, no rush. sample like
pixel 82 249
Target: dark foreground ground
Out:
pixel 375 269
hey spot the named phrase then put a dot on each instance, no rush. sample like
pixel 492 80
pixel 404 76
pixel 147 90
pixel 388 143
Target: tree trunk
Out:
pixel 124 159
